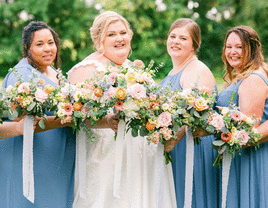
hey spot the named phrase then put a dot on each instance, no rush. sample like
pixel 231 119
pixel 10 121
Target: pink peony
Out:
pixel 40 95
pixel 217 121
pixel 243 135
pixel 165 119
pixel 137 91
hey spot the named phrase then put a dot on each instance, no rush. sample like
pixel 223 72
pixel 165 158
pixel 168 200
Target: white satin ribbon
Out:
pixel 189 168
pixel 27 158
pixel 159 174
pixel 226 164
pixel 119 147
pixel 81 163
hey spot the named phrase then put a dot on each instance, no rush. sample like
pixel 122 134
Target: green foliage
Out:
pixel 71 19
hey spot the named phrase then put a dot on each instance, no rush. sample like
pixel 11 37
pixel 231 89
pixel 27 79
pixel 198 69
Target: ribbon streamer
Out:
pixel 226 164
pixel 27 158
pixel 189 168
pixel 80 170
pixel 120 141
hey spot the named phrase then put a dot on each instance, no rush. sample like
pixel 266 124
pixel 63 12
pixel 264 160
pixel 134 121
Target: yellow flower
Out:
pixel 130 77
pixel 48 88
pixel 121 93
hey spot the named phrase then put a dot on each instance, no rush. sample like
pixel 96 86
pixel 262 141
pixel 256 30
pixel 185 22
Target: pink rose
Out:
pixel 165 119
pixel 200 104
pixel 110 93
pixel 24 87
pixel 217 122
pixel 243 135
pixel 152 96
pixel 112 77
pixel 146 78
pixel 138 63
pixel 137 91
pixel 40 95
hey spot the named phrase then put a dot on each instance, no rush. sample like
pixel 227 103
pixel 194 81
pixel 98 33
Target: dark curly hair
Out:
pixel 27 39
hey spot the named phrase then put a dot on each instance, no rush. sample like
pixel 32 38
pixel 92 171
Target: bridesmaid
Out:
pixel 247 75
pixel 183 41
pixel 54 149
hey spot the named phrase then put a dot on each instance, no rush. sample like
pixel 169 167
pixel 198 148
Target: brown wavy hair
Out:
pixel 252 58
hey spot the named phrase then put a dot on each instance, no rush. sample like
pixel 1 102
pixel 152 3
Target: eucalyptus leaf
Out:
pixel 196 114
pixel 223 149
pixel 42 124
pixel 218 143
pixel 13 115
pixel 134 132
pixel 31 106
pixel 143 131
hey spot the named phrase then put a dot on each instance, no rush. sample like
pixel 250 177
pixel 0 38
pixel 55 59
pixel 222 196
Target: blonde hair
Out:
pixel 193 29
pixel 100 26
pixel 252 58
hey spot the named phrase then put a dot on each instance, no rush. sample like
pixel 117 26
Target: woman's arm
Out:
pixel 252 95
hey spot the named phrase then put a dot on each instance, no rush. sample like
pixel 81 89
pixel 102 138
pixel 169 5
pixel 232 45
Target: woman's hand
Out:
pixel 169 145
pixel 112 121
pixel 199 132
pixel 20 124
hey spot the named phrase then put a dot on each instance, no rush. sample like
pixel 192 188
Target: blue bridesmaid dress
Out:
pixel 205 176
pixel 53 159
pixel 248 180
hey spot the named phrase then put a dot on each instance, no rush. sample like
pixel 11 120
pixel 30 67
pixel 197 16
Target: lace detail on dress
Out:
pixel 99 66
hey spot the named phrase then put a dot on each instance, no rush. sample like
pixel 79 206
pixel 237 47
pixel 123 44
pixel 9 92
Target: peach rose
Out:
pixel 152 96
pixel 137 91
pixel 121 93
pixel 150 126
pixel 77 106
pixel 41 81
pixel 226 137
pixel 110 93
pixel 165 119
pixel 40 95
pixel 200 104
pixel 48 88
pixel 98 92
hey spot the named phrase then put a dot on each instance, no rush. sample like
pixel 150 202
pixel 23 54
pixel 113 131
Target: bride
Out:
pixel 127 172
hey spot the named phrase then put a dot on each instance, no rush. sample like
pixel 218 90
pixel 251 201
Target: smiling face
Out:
pixel 233 51
pixel 43 48
pixel 117 42
pixel 180 43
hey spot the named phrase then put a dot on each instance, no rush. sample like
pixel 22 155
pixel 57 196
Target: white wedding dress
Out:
pixel 122 173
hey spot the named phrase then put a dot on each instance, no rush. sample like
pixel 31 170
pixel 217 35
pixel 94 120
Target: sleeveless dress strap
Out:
pixel 261 76
pixel 99 66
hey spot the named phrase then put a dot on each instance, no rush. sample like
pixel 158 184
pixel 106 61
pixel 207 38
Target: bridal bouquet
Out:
pixel 193 107
pixel 5 106
pixel 29 98
pixel 233 130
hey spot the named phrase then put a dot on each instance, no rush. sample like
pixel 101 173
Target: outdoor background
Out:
pixel 150 20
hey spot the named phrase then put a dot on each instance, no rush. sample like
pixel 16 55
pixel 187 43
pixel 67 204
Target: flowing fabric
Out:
pixel 248 181
pixel 126 172
pixel 205 177
pixel 53 161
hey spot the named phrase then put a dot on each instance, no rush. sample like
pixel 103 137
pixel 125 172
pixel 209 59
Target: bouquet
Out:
pixel 29 98
pixel 77 103
pixel 233 130
pixel 193 107
pixel 5 106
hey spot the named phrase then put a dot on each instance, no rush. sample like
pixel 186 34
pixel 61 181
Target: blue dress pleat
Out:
pixel 53 159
